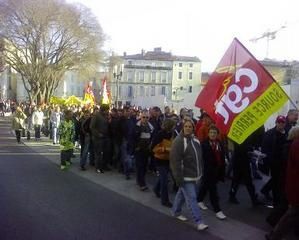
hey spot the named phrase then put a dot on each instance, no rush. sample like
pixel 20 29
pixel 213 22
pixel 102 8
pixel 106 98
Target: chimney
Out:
pixel 142 52
pixel 125 54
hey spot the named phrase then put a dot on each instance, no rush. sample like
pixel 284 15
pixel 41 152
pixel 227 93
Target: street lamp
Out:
pixel 117 75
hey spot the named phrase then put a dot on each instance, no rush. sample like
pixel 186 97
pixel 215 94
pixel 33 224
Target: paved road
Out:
pixel 38 201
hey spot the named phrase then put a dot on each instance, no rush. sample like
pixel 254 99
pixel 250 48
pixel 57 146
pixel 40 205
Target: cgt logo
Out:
pixel 233 100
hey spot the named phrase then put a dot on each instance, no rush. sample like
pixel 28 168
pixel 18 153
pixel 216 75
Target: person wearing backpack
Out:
pixel 161 145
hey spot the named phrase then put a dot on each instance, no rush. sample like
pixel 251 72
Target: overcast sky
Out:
pixel 198 27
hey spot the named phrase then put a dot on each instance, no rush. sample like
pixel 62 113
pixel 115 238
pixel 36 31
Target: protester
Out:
pixel 186 165
pixel 2 108
pixel 273 147
pixel 18 123
pixel 179 125
pixel 116 137
pixel 214 171
pixel 143 135
pixel 156 122
pixel 161 147
pixel 66 132
pixel 291 119
pixel 99 127
pixel 203 131
pixel 127 122
pixel 37 121
pixel 55 120
pixel 242 170
pixel 290 219
pixel 85 138
pixel 167 113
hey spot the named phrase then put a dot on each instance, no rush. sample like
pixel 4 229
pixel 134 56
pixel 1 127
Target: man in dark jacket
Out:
pixel 99 127
pixel 143 136
pixel 116 137
pixel 273 146
pixel 242 170
pixel 127 123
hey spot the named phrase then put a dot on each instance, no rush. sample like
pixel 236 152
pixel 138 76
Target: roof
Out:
pixel 160 55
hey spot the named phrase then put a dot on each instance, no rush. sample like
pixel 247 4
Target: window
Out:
pixel 130 91
pixel 180 64
pixel 190 75
pixel 163 91
pixel 190 89
pixel 130 62
pixel 141 91
pixel 154 74
pixel 153 91
pixel 147 91
pixel 180 75
pixel 163 77
pixel 130 76
pixel 141 76
pixel 191 65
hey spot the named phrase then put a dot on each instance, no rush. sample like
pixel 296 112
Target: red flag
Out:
pixel 105 99
pixel 89 96
pixel 240 94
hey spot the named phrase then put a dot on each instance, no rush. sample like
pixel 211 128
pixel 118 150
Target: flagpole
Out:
pixel 269 74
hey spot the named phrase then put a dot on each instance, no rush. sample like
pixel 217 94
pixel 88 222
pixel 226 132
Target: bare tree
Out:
pixel 46 38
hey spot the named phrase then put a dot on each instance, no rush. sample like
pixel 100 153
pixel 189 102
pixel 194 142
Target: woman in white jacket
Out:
pixel 55 119
pixel 37 121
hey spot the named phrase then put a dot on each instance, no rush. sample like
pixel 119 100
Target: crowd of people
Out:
pixel 5 106
pixel 189 151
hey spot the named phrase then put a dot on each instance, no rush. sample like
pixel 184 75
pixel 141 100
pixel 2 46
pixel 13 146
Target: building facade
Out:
pixel 152 74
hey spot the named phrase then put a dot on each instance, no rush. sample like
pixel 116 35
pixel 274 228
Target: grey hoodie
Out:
pixel 186 159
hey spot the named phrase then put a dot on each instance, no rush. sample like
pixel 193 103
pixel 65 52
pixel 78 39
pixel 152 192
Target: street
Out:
pixel 38 201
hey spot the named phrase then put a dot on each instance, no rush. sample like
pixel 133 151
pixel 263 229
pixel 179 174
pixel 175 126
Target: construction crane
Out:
pixel 269 35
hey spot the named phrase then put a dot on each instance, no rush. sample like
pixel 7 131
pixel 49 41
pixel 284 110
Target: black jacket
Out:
pixel 212 170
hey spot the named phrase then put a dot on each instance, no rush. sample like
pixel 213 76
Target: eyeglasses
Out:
pixel 145 117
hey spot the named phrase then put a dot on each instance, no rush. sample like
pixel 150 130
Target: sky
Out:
pixel 202 28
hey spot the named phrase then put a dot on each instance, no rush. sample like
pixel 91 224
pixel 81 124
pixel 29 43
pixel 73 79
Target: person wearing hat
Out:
pixel 292 118
pixel 273 146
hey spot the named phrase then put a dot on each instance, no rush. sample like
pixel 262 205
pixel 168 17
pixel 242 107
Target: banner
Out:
pixel 240 94
pixel 57 100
